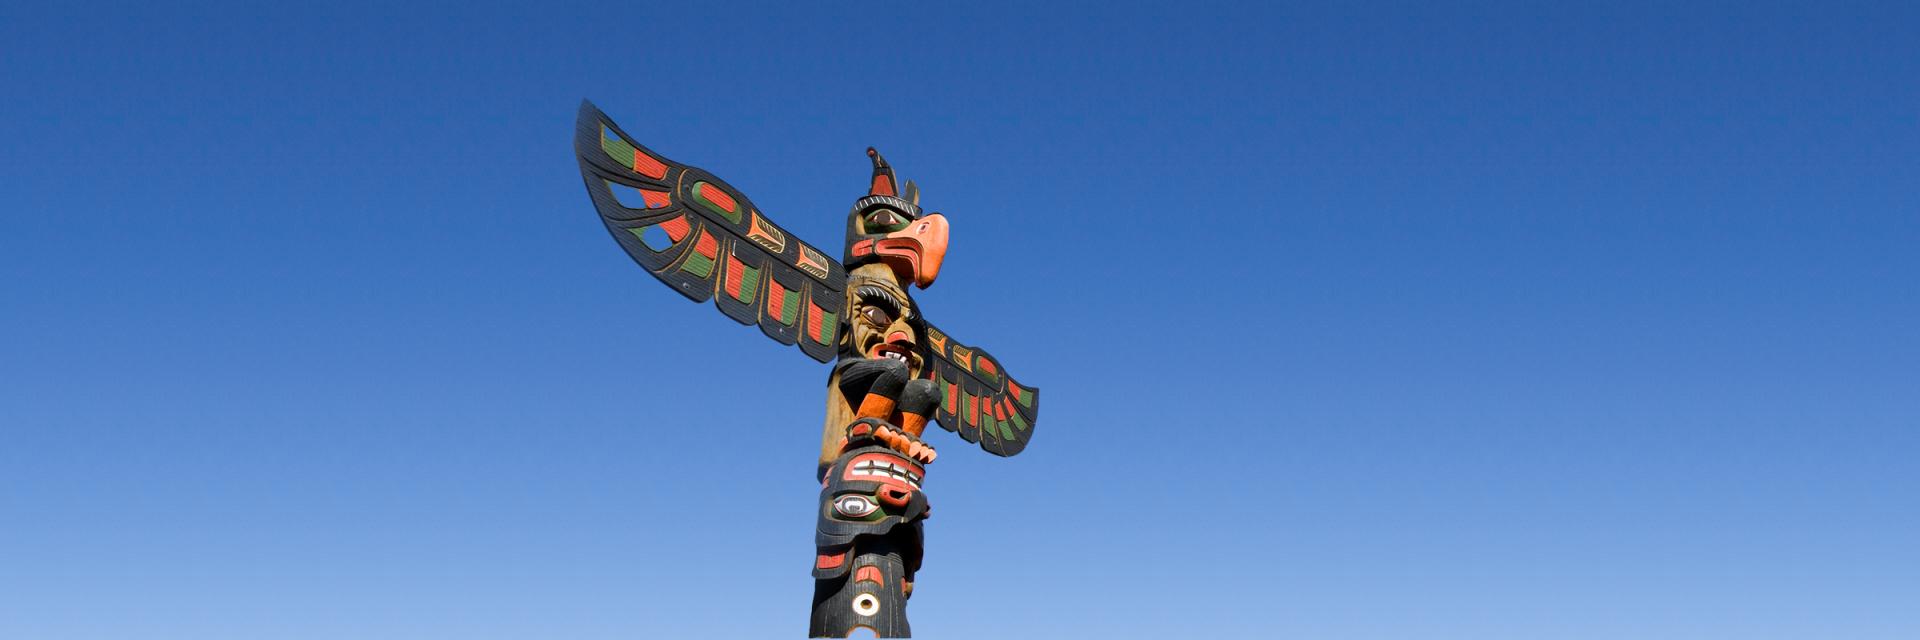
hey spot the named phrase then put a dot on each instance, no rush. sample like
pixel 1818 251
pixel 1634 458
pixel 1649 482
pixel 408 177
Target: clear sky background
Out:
pixel 1385 321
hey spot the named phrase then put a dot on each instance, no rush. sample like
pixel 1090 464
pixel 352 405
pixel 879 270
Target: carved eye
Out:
pixel 854 506
pixel 879 307
pixel 886 221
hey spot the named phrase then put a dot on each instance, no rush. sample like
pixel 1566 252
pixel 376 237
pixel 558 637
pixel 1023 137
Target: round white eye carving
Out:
pixel 865 604
pixel 854 506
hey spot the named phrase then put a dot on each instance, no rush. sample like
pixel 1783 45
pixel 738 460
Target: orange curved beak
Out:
pixel 915 252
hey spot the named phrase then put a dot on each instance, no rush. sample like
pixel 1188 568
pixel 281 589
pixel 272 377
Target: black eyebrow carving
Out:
pixel 879 297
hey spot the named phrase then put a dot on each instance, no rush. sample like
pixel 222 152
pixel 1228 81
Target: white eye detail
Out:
pixel 865 604
pixel 853 506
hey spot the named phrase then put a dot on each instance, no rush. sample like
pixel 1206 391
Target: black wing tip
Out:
pixel 589 114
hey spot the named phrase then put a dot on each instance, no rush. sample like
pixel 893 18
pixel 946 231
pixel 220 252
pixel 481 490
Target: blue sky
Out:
pixel 1383 321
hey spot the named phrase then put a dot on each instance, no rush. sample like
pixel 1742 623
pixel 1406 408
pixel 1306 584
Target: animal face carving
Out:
pixel 887 226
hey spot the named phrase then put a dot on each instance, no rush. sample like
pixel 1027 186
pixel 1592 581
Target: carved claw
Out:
pixel 867 430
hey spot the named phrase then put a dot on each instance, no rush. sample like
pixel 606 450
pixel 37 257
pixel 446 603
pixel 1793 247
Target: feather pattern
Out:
pixel 705 239
pixel 979 401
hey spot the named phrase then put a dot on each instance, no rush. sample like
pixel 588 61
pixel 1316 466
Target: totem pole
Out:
pixel 894 373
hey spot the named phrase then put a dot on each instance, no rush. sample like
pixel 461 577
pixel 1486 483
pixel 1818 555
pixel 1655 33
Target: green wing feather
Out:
pixel 705 239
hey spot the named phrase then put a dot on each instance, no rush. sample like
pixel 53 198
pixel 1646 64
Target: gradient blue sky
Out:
pixel 1385 321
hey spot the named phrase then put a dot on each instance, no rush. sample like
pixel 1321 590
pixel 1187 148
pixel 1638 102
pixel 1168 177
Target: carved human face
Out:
pixel 881 316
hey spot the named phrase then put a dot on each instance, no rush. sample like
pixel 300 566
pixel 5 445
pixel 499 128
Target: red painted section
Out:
pixel 707 246
pixel 813 320
pixel 647 166
pixel 776 299
pixel 987 366
pixel 831 562
pixel 895 497
pixel 953 397
pixel 869 573
pixel 862 247
pixel 1013 389
pixel 676 228
pixel 735 270
pixel 655 199
pixel 882 186
pixel 902 255
pixel 714 195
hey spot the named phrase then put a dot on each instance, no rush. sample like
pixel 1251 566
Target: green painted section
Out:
pixel 1019 422
pixel 877 229
pixel 749 284
pixel 697 264
pixel 992 378
pixel 616 148
pixel 829 323
pixel 700 197
pixel 789 306
pixel 1026 397
pixel 1006 433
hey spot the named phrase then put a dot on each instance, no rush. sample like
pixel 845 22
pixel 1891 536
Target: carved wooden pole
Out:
pixel 873 467
pixel 894 371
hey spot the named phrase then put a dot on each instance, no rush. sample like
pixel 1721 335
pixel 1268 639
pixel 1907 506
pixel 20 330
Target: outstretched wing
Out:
pixel 705 239
pixel 979 400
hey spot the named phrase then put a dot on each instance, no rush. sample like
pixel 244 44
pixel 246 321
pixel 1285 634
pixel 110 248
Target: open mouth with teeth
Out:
pixel 880 318
pixel 896 350
pixel 895 345
pixel 886 469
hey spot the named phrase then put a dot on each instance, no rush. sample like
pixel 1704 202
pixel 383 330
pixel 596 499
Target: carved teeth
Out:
pixel 880 469
pixel 892 351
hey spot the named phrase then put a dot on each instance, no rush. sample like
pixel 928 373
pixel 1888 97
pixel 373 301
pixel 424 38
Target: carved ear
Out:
pixel 911 193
